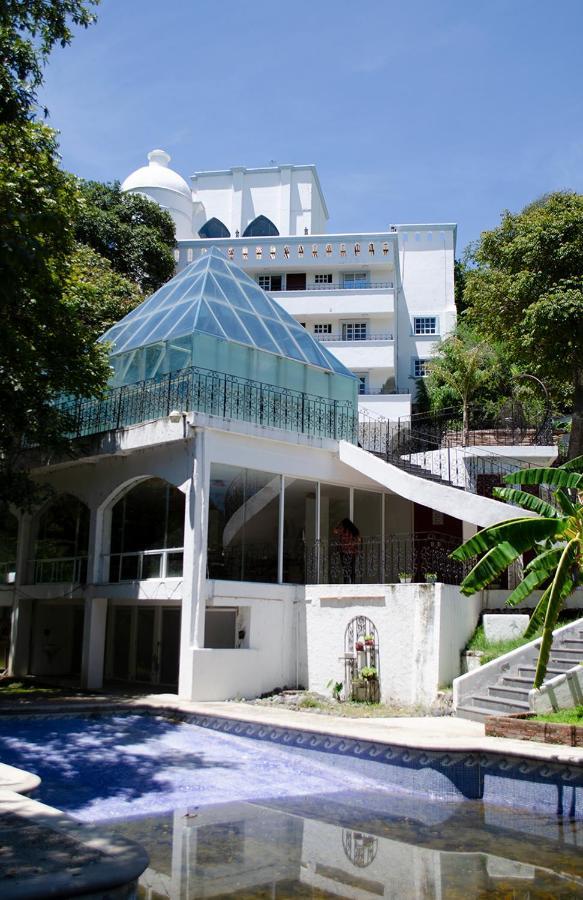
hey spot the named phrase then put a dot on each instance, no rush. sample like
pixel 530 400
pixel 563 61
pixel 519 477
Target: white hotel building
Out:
pixel 379 300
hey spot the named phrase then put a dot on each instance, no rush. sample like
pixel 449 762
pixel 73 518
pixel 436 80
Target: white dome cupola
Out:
pixel 166 187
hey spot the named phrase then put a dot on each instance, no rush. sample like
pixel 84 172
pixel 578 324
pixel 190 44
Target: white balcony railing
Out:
pixel 59 570
pixel 344 286
pixel 340 338
pixel 140 565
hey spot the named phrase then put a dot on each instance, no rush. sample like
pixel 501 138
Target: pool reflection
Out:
pixel 366 847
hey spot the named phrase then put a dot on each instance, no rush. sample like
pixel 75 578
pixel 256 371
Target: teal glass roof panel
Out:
pixel 233 292
pixel 258 299
pixel 287 345
pixel 214 296
pixel 206 322
pixel 258 332
pixel 230 323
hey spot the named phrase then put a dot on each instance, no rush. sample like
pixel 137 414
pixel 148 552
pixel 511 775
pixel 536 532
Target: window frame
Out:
pixel 419 362
pixel 421 321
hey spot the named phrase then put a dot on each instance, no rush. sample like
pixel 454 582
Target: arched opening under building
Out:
pixel 61 543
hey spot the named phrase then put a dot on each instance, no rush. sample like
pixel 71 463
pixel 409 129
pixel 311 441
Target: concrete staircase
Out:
pixel 503 685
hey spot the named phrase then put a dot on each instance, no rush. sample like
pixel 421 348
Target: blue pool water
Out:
pixel 228 816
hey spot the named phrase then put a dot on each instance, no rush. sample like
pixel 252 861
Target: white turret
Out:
pixel 167 188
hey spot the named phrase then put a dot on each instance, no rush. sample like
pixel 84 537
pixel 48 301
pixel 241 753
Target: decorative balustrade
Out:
pixel 372 560
pixel 227 396
pixel 344 286
pixel 308 250
pixel 143 564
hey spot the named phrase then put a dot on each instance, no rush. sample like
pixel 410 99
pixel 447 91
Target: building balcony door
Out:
pixel 143 644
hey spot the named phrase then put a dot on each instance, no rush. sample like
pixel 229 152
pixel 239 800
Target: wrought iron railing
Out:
pixel 143 564
pixel 510 427
pixel 227 396
pixel 372 560
pixel 59 570
pixel 443 452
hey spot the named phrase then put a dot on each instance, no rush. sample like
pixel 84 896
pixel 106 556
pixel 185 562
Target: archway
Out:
pixel 214 228
pixel 362 661
pixel 261 227
pixel 62 541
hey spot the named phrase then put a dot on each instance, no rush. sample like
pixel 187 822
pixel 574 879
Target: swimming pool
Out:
pixel 227 815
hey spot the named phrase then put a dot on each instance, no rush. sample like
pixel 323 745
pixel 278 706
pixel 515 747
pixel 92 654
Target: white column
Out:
pixel 21 627
pixel 195 564
pixel 94 561
pixel 93 655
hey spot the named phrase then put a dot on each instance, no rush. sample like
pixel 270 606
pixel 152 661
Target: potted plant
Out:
pixel 405 577
pixel 369 673
pixel 359 645
pixel 430 577
pixel 368 640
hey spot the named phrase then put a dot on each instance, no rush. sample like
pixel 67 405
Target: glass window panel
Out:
pixel 258 300
pixel 335 565
pixel 212 291
pixel 152 565
pixel 287 346
pixel 144 644
pixel 230 323
pixel 310 350
pixel 243 524
pixel 368 520
pixel 258 332
pixel 149 517
pixel 233 293
pixel 146 331
pixel 206 322
pixel 299 531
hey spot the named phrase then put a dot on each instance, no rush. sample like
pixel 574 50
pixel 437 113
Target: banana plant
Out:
pixel 556 536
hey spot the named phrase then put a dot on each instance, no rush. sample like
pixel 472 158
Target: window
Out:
pixel 270 282
pixel 261 227
pixel 354 331
pixel 220 628
pixel 362 382
pixel 420 369
pixel 354 279
pixel 214 228
pixel 323 328
pixel 323 278
pixel 425 325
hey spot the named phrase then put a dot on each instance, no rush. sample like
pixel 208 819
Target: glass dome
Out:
pixel 206 316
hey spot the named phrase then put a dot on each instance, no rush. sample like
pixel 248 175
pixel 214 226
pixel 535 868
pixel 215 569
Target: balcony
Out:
pixel 141 565
pixel 59 570
pixel 338 300
pixel 345 286
pixel 339 338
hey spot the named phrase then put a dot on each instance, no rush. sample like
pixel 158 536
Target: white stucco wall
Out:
pixel 421 631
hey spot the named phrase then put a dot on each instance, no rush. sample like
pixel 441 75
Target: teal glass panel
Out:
pixel 229 322
pixel 258 299
pixel 287 346
pixel 258 332
pixel 206 321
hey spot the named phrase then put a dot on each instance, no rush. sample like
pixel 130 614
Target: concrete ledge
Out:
pixel 45 853
pixel 17 780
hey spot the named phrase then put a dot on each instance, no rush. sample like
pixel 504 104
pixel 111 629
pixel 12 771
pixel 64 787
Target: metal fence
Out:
pixel 372 560
pixel 228 396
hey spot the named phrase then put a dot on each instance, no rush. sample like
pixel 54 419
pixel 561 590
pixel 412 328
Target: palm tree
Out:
pixel 556 535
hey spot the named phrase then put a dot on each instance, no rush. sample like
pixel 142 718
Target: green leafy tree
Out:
pixel 46 341
pixel 131 231
pixel 525 290
pixel 556 536
pixel 464 363
pixel 29 29
pixel 100 296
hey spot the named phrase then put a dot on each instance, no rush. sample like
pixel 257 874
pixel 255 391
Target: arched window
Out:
pixel 214 228
pixel 62 541
pixel 147 532
pixel 261 227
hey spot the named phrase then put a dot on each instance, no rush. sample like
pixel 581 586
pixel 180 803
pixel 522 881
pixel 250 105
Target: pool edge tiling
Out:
pixel 538 781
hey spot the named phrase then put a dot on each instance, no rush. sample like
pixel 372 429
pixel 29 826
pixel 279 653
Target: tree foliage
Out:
pixel 100 296
pixel 464 363
pixel 46 341
pixel 526 291
pixel 556 535
pixel 29 29
pixel 131 231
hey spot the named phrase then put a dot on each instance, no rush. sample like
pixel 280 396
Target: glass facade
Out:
pixel 299 527
pixel 215 317
pixel 149 518
pixel 243 524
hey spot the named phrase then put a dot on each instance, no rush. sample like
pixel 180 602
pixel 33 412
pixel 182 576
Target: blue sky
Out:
pixel 413 112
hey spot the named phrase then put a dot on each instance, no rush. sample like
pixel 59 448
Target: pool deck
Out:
pixel 440 733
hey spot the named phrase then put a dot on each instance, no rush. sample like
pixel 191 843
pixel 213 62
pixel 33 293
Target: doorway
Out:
pixel 143 644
